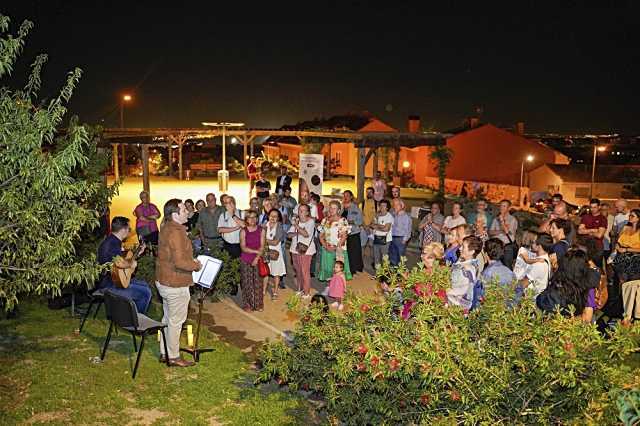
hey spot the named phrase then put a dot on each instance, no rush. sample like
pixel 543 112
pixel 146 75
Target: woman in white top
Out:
pixel 302 231
pixel 453 221
pixel 381 232
pixel 274 234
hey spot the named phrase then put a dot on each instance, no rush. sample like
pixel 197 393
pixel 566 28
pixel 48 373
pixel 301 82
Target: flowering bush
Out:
pixel 495 364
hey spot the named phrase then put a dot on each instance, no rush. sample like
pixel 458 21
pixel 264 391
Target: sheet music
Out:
pixel 209 271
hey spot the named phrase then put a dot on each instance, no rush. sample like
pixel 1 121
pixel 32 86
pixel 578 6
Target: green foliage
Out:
pixel 442 155
pixel 629 406
pixel 311 145
pixel 496 366
pixel 228 278
pixel 46 202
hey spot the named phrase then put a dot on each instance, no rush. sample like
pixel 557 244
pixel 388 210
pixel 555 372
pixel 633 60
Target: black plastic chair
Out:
pixel 96 298
pixel 122 312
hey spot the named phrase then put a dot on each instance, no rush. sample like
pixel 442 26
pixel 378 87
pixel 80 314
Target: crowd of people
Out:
pixel 576 264
pixel 562 264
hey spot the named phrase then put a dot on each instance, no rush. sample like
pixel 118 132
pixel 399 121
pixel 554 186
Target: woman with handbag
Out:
pixel 303 248
pixel 381 232
pixel 277 269
pixel 252 244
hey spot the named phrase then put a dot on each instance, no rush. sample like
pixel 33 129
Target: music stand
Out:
pixel 204 279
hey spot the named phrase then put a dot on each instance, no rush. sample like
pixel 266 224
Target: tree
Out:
pixel 46 201
pixel 442 155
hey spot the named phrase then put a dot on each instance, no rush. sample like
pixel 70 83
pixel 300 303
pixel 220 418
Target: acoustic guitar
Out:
pixel 121 277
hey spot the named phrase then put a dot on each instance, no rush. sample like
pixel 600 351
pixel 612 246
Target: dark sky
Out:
pixel 557 67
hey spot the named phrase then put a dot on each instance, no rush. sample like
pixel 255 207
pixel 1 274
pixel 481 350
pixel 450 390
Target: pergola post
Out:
pixel 375 162
pixel 145 168
pixel 329 162
pixel 116 166
pixel 362 161
pixel 244 156
pixel 124 159
pixel 169 143
pixel 180 175
pixel 252 147
pixel 396 160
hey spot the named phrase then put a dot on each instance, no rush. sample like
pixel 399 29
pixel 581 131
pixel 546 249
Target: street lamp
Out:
pixel 125 99
pixel 528 158
pixel 596 148
pixel 223 175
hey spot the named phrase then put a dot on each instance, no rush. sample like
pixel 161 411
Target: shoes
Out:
pixel 306 296
pixel 274 296
pixel 179 362
pixel 282 286
pixel 162 359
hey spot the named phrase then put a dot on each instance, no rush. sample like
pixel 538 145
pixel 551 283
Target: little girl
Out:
pixel 337 285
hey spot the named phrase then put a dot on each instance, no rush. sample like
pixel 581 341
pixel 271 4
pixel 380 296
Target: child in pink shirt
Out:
pixel 337 285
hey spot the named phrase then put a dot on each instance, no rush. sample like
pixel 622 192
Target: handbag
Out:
pixel 273 254
pixel 379 240
pixel 263 268
pixel 301 248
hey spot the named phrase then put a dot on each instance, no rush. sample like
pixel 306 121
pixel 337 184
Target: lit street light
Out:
pixel 528 158
pixel 125 99
pixel 223 175
pixel 596 148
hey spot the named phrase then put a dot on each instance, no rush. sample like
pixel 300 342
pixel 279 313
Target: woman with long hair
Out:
pixel 569 286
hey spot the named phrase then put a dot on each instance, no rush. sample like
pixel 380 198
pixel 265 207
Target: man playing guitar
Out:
pixel 110 249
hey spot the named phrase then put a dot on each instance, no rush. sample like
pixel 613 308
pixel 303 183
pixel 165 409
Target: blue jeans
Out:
pixel 397 249
pixel 138 291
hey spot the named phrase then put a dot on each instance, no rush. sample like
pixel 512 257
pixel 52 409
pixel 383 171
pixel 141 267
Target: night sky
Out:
pixel 557 68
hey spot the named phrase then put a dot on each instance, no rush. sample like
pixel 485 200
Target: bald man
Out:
pixel 560 211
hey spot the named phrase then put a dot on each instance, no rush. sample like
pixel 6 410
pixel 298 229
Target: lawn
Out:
pixel 47 376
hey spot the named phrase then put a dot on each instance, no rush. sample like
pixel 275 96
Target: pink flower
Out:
pixel 406 309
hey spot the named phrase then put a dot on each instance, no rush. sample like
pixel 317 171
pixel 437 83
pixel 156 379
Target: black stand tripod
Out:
pixel 195 351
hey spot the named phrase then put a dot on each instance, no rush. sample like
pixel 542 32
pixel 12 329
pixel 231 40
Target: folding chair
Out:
pixel 122 312
pixel 97 298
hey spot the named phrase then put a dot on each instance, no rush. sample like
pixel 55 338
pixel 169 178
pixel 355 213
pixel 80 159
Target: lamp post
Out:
pixel 528 158
pixel 596 148
pixel 125 99
pixel 223 175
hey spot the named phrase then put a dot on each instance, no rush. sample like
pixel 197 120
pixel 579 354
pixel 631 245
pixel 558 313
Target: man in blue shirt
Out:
pixel 495 269
pixel 138 290
pixel 400 232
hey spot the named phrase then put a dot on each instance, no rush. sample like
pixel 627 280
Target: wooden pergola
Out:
pixel 366 143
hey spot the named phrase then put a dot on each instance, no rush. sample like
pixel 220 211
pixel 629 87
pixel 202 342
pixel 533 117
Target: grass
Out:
pixel 47 376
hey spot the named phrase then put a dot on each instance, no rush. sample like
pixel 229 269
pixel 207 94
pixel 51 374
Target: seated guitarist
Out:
pixel 138 290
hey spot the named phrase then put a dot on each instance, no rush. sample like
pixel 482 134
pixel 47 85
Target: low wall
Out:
pixel 493 192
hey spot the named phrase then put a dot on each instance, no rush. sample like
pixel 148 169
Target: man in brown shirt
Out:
pixel 174 266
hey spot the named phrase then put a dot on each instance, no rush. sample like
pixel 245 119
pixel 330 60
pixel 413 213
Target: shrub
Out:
pixel 497 365
pixel 226 283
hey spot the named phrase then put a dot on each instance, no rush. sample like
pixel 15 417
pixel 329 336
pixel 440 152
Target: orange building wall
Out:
pixel 490 154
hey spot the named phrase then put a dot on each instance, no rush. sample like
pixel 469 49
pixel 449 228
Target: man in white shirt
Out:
pixel 621 217
pixel 381 232
pixel 229 225
pixel 539 270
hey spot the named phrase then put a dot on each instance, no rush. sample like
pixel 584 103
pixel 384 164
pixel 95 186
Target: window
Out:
pixel 582 192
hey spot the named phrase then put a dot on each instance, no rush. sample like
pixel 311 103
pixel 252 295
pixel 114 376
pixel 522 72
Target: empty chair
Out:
pixel 122 312
pixel 96 298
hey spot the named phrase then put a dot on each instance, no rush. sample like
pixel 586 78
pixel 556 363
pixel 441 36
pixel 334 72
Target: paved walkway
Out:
pixel 247 330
